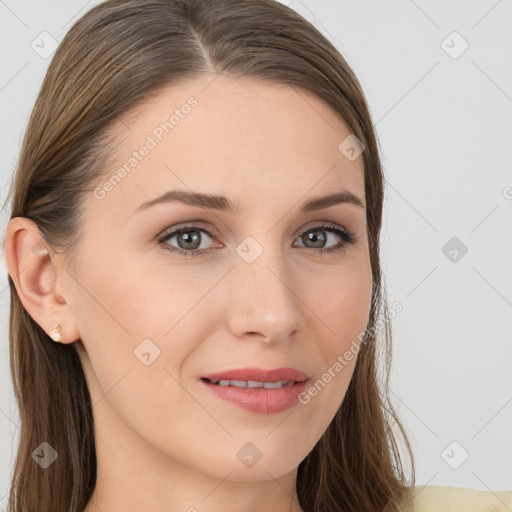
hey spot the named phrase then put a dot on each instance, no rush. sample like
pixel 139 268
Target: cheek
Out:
pixel 341 305
pixel 135 335
pixel 132 302
pixel 142 328
pixel 342 302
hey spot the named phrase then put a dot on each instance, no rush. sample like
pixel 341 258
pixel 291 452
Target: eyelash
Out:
pixel 347 237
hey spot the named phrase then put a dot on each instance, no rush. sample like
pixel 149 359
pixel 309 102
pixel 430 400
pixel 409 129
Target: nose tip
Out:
pixel 263 304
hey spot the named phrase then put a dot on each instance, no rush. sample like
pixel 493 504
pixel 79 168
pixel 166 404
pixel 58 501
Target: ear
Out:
pixel 40 282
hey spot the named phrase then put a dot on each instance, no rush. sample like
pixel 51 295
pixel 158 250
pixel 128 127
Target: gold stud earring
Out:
pixel 56 333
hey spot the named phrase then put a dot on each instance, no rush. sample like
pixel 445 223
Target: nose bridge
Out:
pixel 264 300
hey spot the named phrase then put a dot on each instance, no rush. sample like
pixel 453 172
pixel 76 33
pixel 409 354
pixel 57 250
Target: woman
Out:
pixel 197 312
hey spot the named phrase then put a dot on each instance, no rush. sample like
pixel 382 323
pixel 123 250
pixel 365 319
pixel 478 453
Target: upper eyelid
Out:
pixel 188 225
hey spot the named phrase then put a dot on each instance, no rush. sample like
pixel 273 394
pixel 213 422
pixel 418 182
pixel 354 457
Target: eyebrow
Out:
pixel 221 203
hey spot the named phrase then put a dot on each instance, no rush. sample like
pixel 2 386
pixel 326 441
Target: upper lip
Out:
pixel 259 375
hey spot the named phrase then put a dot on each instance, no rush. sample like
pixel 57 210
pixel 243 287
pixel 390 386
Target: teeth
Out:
pixel 274 385
pixel 236 383
pixel 252 384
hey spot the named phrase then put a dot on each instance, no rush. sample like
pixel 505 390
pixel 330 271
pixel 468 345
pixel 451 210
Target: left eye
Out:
pixel 189 239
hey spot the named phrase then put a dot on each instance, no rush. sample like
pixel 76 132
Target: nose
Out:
pixel 264 301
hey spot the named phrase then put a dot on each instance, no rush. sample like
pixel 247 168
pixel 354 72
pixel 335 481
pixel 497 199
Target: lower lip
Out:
pixel 260 400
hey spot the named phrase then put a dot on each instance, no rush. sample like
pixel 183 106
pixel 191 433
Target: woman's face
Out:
pixel 252 288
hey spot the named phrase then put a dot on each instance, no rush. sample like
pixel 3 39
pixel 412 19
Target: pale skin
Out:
pixel 165 443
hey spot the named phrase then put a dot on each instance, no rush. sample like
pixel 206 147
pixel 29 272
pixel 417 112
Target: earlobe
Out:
pixel 56 333
pixel 33 271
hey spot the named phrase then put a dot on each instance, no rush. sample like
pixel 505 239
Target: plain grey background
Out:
pixel 437 76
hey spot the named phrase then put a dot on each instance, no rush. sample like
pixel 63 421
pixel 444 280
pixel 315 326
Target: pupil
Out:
pixel 189 239
pixel 319 240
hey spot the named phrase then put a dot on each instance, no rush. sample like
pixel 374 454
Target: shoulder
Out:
pixel 437 498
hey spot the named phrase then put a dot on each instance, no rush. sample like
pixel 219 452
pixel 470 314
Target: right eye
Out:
pixel 188 237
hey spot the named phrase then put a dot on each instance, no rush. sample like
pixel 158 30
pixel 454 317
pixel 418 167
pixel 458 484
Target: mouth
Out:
pixel 257 377
pixel 258 390
pixel 250 383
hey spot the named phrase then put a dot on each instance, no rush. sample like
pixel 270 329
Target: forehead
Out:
pixel 245 139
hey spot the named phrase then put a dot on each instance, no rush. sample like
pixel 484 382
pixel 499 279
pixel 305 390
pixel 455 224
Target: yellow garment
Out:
pixel 438 498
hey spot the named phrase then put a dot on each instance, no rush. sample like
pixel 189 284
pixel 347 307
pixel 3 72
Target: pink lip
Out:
pixel 260 400
pixel 260 375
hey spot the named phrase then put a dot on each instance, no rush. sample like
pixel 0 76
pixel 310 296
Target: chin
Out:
pixel 261 471
pixel 245 465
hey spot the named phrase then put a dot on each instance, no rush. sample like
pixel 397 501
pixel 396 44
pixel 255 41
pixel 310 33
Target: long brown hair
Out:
pixel 114 58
